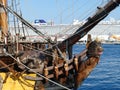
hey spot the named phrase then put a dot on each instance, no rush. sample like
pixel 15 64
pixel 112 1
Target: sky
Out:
pixel 62 11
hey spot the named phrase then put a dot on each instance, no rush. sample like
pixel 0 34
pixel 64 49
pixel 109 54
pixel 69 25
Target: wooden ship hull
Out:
pixel 43 65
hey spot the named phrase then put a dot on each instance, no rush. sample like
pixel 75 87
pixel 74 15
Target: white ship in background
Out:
pixel 107 31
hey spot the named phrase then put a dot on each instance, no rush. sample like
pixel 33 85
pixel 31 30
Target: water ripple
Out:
pixel 106 76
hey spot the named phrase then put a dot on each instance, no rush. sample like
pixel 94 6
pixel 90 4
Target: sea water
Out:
pixel 106 75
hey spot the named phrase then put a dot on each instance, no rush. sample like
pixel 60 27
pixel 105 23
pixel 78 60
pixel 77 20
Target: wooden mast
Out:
pixel 3 21
pixel 101 13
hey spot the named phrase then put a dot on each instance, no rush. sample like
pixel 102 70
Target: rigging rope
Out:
pixel 81 30
pixel 67 29
pixel 17 21
pixel 33 48
pixel 74 28
pixel 64 10
pixel 46 53
pixel 25 22
pixel 36 72
pixel 8 65
pixel 75 11
pixel 89 11
pixel 23 26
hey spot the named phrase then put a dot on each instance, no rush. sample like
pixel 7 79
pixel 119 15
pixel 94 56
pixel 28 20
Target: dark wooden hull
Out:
pixel 20 59
pixel 67 71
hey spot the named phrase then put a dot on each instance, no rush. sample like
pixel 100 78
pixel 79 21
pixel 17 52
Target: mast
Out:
pixel 101 13
pixel 3 21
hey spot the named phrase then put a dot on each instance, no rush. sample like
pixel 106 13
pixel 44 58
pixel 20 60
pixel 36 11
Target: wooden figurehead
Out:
pixel 94 50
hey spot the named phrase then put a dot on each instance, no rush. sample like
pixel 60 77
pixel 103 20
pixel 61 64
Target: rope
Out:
pixel 106 29
pixel 36 72
pixel 33 48
pixel 60 11
pixel 67 29
pixel 71 28
pixel 25 22
pixel 75 11
pixel 79 31
pixel 91 23
pixel 8 65
pixel 88 11
pixel 61 54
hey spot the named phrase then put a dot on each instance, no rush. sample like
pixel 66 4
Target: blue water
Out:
pixel 106 76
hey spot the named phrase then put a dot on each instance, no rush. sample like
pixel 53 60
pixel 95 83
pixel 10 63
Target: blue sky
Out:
pixel 62 11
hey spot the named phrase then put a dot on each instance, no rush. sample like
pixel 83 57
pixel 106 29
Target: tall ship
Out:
pixel 46 64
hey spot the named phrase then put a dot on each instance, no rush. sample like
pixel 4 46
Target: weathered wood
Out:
pixel 82 64
pixel 3 19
